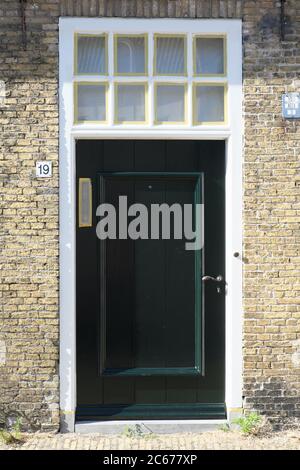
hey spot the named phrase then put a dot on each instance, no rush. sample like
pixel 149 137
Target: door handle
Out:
pixel 219 278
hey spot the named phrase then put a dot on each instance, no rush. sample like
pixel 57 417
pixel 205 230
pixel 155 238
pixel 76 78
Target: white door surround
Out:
pixel 231 132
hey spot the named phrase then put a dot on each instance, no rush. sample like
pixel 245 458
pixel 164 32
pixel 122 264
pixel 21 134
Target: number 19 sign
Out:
pixel 43 169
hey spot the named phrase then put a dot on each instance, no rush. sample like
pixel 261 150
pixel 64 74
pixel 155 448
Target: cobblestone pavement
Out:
pixel 216 440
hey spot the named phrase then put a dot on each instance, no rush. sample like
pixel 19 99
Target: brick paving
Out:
pixel 216 440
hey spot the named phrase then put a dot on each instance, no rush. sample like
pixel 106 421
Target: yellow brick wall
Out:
pixel 271 212
pixel 29 216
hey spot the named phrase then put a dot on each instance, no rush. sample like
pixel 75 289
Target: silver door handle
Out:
pixel 219 278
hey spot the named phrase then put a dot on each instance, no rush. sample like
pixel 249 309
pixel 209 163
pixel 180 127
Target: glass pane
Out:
pixel 170 58
pixel 210 103
pixel 130 103
pixel 170 103
pixel 85 202
pixel 91 55
pixel 91 102
pixel 210 56
pixel 130 55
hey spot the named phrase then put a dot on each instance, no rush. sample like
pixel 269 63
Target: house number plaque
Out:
pixel 43 169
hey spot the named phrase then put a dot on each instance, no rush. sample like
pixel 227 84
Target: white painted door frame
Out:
pixel 231 133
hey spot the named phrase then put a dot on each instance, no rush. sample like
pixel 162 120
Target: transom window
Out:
pixel 150 79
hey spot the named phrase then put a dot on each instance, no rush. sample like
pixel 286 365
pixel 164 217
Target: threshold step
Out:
pixel 149 426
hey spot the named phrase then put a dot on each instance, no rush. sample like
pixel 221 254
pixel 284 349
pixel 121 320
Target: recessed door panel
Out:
pixel 151 282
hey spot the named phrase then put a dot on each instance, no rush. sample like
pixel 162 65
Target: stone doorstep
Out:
pixel 149 426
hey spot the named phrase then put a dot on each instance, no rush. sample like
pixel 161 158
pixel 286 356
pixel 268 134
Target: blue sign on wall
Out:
pixel 291 105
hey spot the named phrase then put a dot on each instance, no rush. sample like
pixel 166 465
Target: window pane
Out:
pixel 210 56
pixel 210 103
pixel 170 103
pixel 130 55
pixel 91 55
pixel 130 103
pixel 91 102
pixel 170 58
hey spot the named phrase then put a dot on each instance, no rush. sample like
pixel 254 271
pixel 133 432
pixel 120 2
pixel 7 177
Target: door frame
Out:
pixel 233 136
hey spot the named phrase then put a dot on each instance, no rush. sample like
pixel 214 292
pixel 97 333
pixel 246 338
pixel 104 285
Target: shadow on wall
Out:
pixel 275 398
pixel 272 23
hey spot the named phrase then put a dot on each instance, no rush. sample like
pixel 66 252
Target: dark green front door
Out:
pixel 150 331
